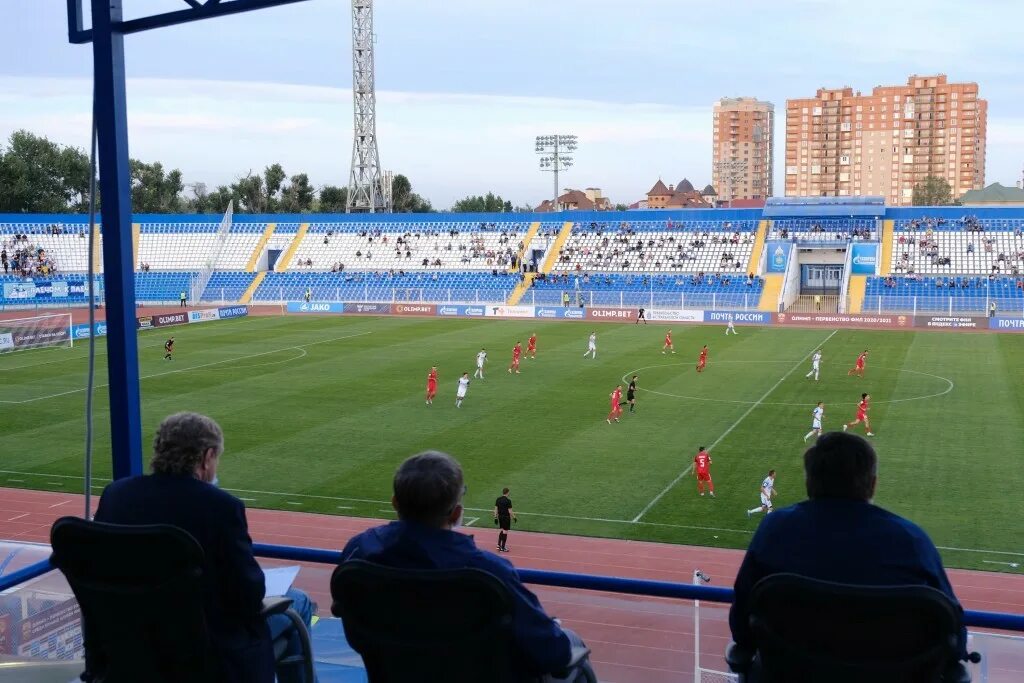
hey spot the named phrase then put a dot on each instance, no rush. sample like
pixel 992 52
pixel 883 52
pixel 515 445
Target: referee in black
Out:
pixel 631 394
pixel 640 316
pixel 503 517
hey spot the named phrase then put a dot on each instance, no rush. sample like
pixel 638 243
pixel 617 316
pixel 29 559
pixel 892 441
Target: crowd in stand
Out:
pixel 625 249
pixel 927 246
pixel 584 280
pixel 822 234
pixel 22 257
pixel 408 246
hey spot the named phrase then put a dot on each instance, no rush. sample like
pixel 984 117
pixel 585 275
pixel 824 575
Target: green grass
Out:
pixel 318 412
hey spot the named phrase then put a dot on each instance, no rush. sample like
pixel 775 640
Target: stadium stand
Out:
pixel 678 290
pixel 490 287
pixel 227 286
pixel 824 229
pixel 190 246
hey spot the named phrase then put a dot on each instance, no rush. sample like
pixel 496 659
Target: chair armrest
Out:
pixel 739 657
pixel 275 606
pixel 577 655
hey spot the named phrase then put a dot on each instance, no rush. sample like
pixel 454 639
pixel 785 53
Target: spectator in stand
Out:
pixel 838 534
pixel 182 491
pixel 970 247
pixel 427 495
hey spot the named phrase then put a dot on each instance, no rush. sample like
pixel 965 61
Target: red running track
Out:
pixel 634 639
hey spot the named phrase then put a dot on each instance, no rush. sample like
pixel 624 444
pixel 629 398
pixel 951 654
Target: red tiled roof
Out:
pixel 659 190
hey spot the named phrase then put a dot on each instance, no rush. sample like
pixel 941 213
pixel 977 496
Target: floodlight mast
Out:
pixel 366 191
pixel 557 151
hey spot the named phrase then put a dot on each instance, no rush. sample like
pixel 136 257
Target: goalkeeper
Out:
pixel 503 517
pixel 168 348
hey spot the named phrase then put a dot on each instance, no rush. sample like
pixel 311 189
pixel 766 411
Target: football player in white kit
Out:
pixel 815 365
pixel 592 346
pixel 730 329
pixel 816 417
pixel 463 388
pixel 767 493
pixel 481 358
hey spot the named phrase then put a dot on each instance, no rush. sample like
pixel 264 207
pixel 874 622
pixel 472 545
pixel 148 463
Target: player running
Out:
pixel 862 415
pixel 817 415
pixel 730 329
pixel 668 343
pixel 616 408
pixel 702 470
pixel 168 349
pixel 592 346
pixel 858 369
pixel 767 493
pixel 531 346
pixel 431 385
pixel 815 365
pixel 703 360
pixel 631 395
pixel 481 358
pixel 517 351
pixel 460 393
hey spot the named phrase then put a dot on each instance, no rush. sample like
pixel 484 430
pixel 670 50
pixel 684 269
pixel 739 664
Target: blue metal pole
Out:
pixel 111 115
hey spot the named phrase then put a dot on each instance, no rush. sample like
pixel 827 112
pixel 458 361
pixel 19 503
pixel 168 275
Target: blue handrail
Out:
pixel 608 584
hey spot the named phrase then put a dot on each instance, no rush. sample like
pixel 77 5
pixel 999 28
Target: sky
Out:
pixel 464 86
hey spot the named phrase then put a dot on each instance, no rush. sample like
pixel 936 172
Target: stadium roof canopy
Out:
pixel 823 207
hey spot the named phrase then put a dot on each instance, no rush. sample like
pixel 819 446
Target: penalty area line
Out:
pixel 727 432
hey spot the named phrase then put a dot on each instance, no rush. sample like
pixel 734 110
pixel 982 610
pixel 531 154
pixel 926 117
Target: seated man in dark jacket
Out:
pixel 182 492
pixel 838 535
pixel 428 490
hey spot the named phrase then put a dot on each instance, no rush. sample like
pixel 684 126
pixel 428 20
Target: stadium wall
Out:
pixel 148 322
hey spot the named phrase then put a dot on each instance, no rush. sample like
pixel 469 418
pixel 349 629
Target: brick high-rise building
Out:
pixel 842 143
pixel 744 141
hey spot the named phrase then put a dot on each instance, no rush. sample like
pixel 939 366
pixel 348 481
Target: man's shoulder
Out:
pixel 156 485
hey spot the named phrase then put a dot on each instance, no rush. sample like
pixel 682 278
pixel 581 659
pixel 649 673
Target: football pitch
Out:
pixel 318 412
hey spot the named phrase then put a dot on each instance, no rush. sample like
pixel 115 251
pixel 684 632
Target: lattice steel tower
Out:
pixel 366 191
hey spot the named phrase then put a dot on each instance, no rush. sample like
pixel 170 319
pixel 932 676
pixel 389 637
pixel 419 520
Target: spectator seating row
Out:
pixel 419 249
pixel 627 289
pixel 986 252
pixel 938 293
pixel 965 223
pixel 647 252
pixel 195 250
pixel 386 286
pixel 227 286
pixel 668 225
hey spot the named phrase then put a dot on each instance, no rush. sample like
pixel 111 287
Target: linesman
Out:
pixel 504 515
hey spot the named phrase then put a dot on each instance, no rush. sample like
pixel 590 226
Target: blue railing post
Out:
pixel 111 116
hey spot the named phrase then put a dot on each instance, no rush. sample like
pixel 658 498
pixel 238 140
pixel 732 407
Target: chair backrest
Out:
pixel 139 591
pixel 450 625
pixel 811 630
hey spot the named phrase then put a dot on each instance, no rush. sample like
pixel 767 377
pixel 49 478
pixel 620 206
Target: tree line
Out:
pixel 41 176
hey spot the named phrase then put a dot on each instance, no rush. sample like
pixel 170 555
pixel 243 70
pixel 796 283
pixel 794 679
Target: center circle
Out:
pixel 625 378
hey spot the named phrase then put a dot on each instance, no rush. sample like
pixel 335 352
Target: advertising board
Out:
pixel 864 258
pixel 204 315
pixel 414 309
pixel 1006 324
pixel 842 320
pixel 510 311
pixel 559 313
pixel 680 316
pixel 739 317
pixel 460 311
pixel 168 319
pixel 377 309
pixel 314 307
pixel 225 312
pixel 621 314
pixel 951 322
pixel 778 256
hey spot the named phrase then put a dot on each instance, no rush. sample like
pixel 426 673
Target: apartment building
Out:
pixel 744 142
pixel 842 143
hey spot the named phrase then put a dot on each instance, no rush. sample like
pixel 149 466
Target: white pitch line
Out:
pixel 292 502
pixel 248 500
pixel 735 424
pixel 984 552
pixel 471 521
pixel 20 481
pixel 194 367
pixel 345 507
pixel 1013 565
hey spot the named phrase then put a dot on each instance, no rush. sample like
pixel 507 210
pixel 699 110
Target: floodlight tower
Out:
pixel 557 151
pixel 366 190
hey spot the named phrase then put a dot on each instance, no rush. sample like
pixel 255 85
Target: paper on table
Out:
pixel 279 580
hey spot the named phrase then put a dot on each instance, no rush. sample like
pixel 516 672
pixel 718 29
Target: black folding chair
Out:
pixel 140 592
pixel 451 625
pixel 806 630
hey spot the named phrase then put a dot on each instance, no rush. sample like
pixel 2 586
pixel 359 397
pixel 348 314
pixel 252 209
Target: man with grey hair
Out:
pixel 427 495
pixel 838 534
pixel 182 491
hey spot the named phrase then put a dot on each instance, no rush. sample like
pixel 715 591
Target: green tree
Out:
pixel 489 203
pixel 333 199
pixel 298 196
pixel 40 176
pixel 404 200
pixel 153 190
pixel 621 207
pixel 933 191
